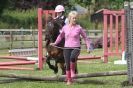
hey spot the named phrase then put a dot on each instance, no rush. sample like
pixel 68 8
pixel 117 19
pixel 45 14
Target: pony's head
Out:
pixel 53 27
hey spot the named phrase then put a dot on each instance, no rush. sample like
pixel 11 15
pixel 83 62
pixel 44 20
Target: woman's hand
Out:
pixel 52 44
pixel 88 51
pixel 91 48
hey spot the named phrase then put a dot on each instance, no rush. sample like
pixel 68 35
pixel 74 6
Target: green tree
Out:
pixel 94 5
pixel 3 4
pixel 51 4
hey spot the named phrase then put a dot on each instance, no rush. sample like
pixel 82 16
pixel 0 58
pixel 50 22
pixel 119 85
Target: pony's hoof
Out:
pixel 55 71
pixel 63 73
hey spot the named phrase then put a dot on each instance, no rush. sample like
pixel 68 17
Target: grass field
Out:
pixel 86 66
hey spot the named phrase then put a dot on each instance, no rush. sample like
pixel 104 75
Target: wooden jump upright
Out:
pixel 40 48
pixel 113 28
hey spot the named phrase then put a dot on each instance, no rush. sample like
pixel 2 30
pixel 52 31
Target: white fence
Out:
pixel 27 38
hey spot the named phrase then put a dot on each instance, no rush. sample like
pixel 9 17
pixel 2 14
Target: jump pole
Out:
pixel 62 77
pixel 15 68
pixel 14 57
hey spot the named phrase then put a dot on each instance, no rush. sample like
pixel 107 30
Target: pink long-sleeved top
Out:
pixel 72 36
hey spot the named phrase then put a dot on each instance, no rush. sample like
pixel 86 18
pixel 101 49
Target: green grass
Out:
pixel 86 66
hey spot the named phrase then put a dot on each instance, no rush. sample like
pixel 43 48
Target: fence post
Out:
pixel 40 51
pixel 105 35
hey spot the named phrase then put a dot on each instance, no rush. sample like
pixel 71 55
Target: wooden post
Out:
pixel 116 34
pixel 105 36
pixel 123 31
pixel 40 51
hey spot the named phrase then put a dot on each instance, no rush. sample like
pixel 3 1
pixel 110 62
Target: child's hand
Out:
pixel 52 44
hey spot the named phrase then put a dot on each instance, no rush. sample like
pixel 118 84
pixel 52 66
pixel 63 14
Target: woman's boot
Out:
pixel 72 69
pixel 68 77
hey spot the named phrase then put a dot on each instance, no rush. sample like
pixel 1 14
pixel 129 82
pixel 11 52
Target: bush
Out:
pixel 84 21
pixel 16 19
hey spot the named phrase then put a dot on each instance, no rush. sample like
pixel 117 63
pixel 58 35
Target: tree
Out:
pixel 94 5
pixel 22 4
pixel 3 4
pixel 51 4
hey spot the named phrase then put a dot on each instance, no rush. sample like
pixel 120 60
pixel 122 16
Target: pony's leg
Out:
pixel 62 66
pixel 56 67
pixel 49 64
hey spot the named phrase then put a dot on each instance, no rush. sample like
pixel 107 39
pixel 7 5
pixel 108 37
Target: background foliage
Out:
pixel 23 13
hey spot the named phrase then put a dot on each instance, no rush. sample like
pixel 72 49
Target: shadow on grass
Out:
pixel 96 82
pixel 9 80
pixel 79 81
pixel 126 84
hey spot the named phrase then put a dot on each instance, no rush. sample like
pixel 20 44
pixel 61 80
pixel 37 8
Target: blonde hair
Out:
pixel 71 14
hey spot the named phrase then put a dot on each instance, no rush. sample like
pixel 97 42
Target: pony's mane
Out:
pixel 52 29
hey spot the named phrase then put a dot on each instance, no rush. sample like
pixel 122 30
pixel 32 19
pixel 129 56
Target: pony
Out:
pixel 52 31
pixel 53 53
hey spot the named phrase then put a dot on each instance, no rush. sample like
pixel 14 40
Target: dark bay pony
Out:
pixel 54 53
